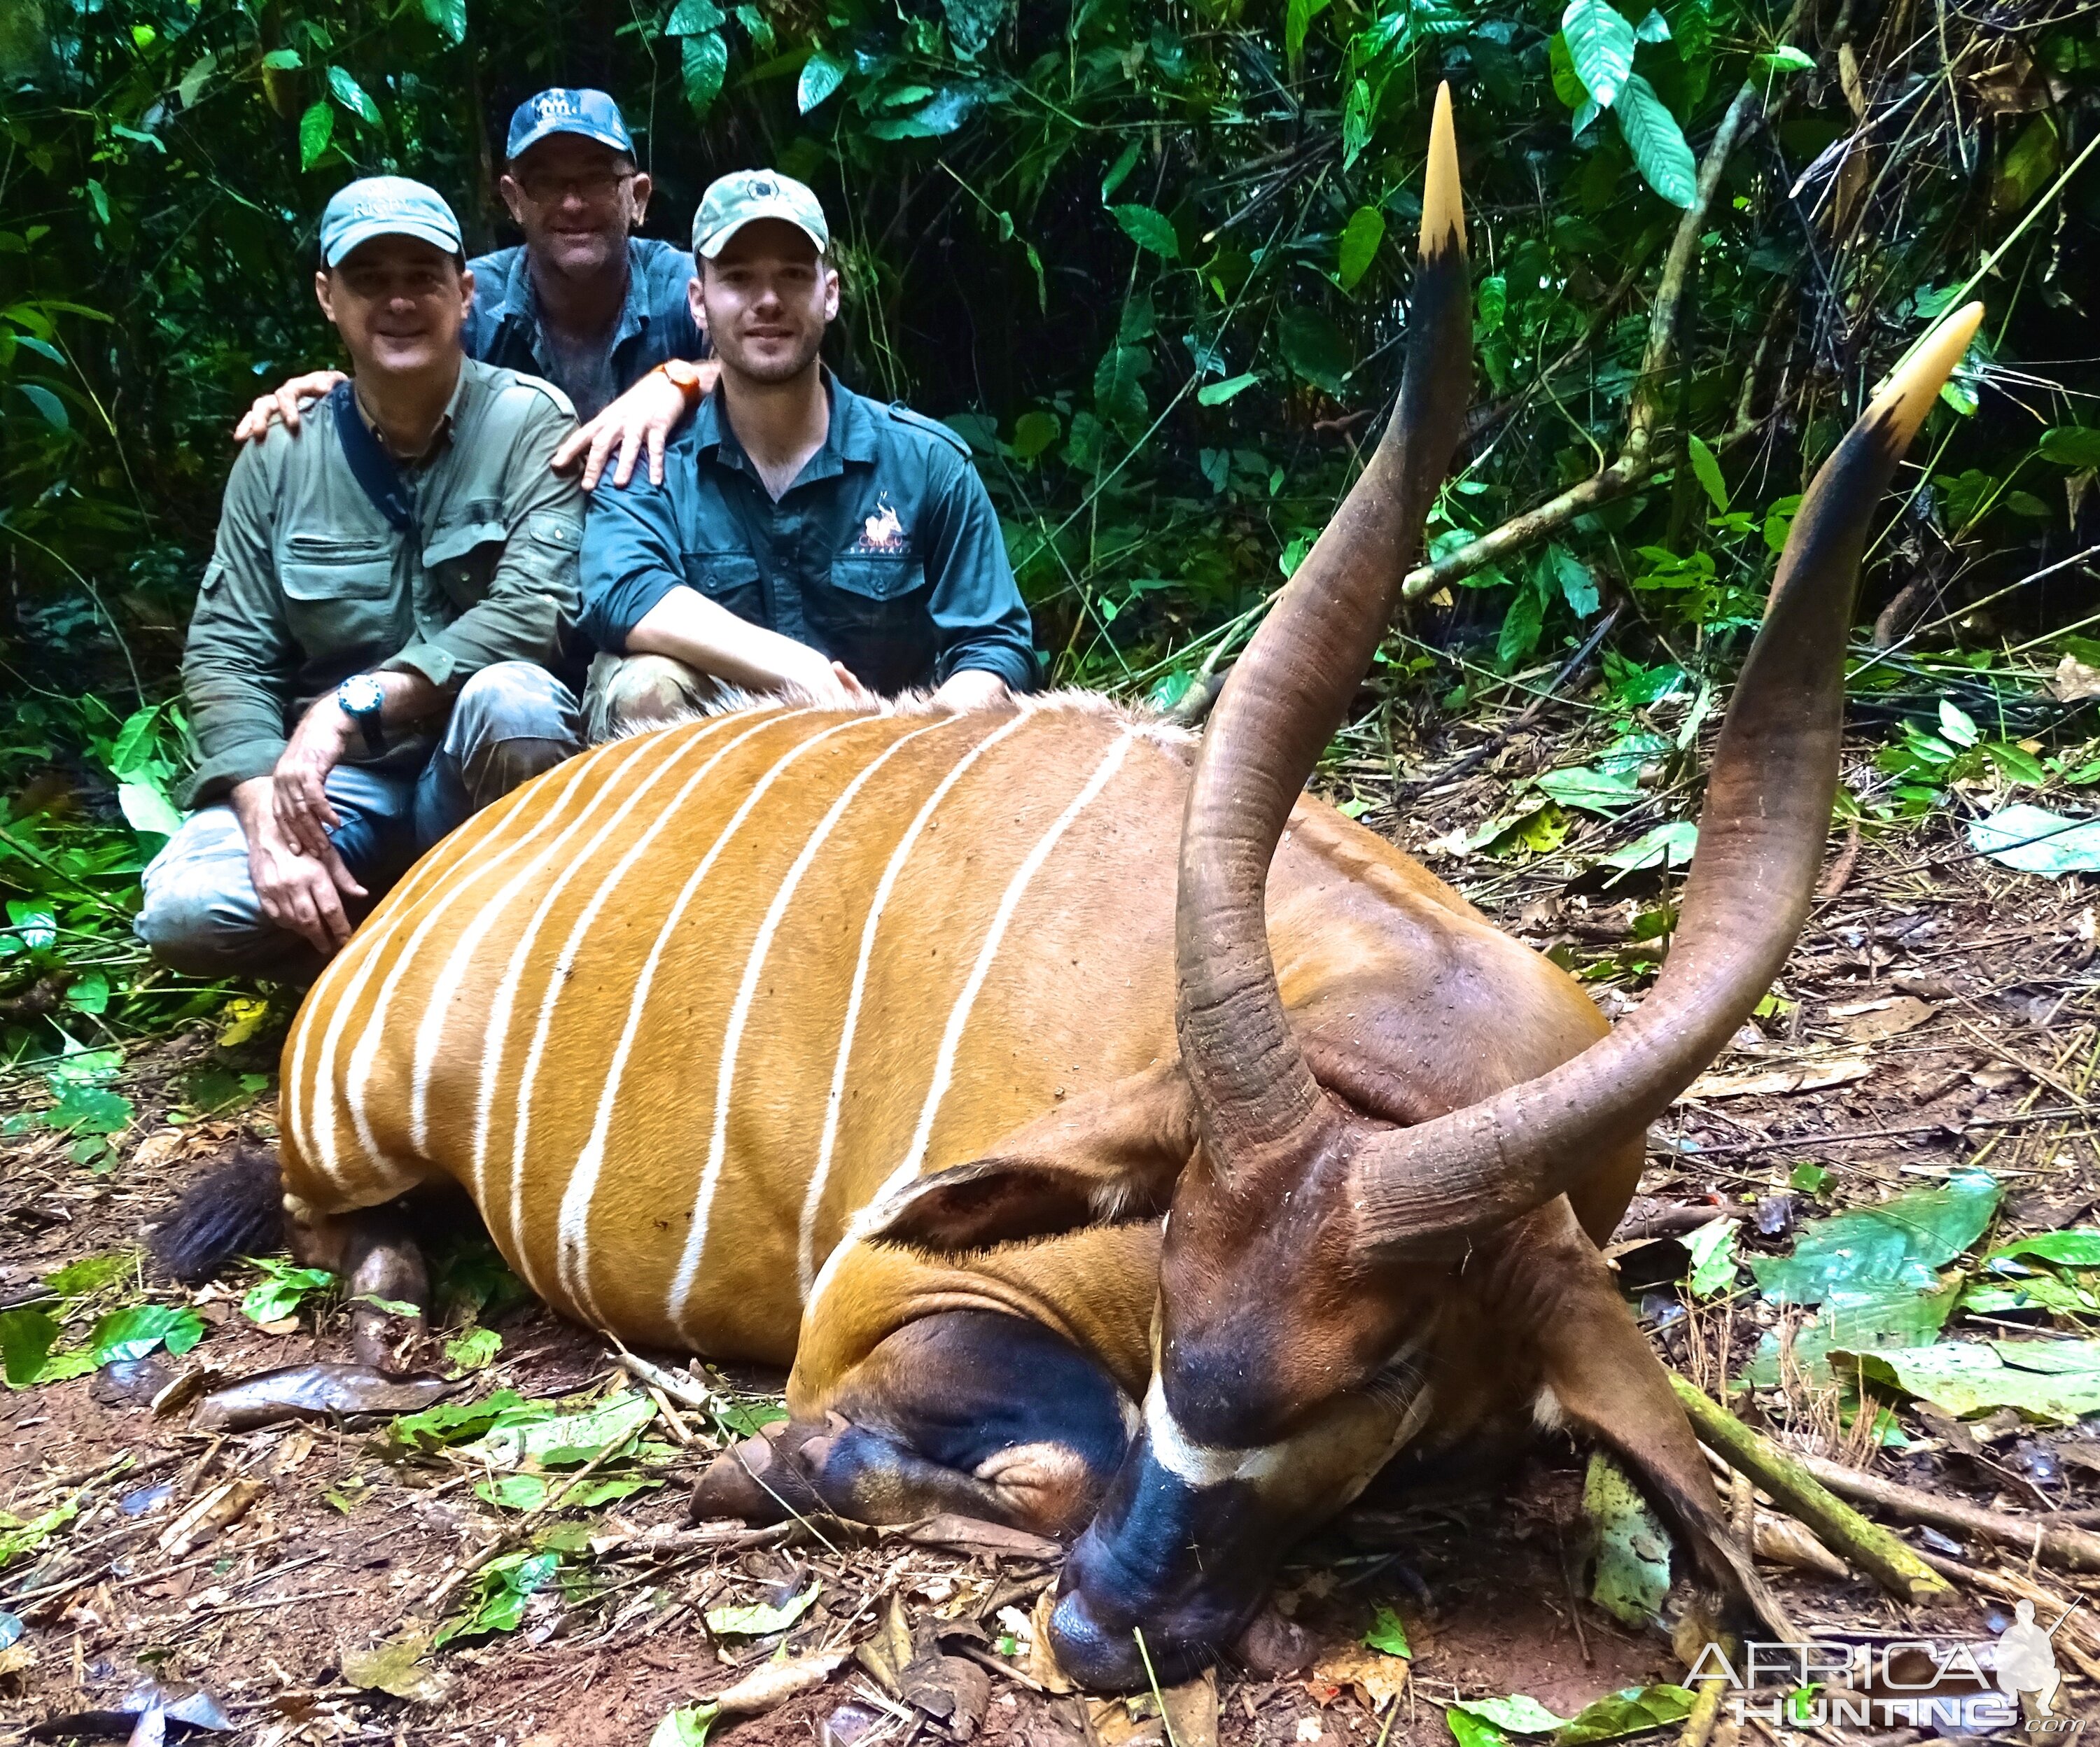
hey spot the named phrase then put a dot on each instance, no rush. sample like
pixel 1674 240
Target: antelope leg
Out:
pixel 1601 1374
pixel 384 1274
pixel 967 1411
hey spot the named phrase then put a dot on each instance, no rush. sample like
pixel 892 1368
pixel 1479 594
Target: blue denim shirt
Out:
pixel 657 323
pixel 884 553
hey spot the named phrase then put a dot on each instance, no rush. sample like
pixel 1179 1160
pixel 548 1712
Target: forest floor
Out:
pixel 1942 1022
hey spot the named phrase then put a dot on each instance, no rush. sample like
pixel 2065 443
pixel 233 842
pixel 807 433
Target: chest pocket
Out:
pixel 879 577
pixel 340 595
pixel 729 579
pixel 462 558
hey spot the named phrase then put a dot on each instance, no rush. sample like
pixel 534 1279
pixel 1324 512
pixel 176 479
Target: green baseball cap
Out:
pixel 735 201
pixel 386 206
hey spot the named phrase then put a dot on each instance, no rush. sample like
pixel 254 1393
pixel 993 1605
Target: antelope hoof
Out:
pixel 389 1287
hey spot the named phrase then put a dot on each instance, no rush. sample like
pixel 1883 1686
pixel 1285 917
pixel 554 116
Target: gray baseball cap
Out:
pixel 386 206
pixel 735 201
pixel 590 113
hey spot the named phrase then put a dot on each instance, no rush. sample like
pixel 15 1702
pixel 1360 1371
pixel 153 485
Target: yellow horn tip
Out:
pixel 1913 388
pixel 1443 206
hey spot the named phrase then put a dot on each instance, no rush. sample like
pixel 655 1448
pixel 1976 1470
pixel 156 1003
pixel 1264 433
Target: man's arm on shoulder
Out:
pixel 980 624
pixel 240 657
pixel 532 593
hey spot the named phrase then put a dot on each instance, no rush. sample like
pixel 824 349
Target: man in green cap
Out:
pixel 802 538
pixel 368 661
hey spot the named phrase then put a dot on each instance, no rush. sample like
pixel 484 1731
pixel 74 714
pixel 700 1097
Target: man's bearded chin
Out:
pixel 782 370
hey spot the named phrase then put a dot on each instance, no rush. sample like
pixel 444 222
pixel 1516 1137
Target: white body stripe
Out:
pixel 959 1016
pixel 813 1198
pixel 572 1253
pixel 465 949
pixel 328 1079
pixel 497 1031
pixel 748 989
pixel 557 982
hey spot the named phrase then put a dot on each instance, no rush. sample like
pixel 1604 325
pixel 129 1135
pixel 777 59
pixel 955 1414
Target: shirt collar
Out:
pixel 521 307
pixel 850 437
pixel 440 438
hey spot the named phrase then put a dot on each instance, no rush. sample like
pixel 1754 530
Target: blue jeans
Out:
pixel 510 721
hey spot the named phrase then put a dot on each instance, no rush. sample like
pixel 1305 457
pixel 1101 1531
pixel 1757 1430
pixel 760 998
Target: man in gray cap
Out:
pixel 584 302
pixel 801 538
pixel 367 665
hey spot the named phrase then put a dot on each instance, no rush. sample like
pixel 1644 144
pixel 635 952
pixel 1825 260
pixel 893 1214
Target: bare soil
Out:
pixel 1979 1051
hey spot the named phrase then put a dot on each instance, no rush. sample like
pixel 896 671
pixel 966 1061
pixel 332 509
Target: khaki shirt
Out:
pixel 309 584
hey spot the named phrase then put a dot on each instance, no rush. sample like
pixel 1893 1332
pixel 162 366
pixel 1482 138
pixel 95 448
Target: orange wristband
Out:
pixel 682 375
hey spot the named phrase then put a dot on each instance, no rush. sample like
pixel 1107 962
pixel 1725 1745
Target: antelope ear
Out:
pixel 1112 1156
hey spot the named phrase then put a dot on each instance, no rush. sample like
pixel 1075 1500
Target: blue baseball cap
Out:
pixel 386 206
pixel 591 113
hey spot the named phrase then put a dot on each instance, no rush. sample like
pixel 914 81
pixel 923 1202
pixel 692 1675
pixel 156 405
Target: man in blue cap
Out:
pixel 802 538
pixel 584 302
pixel 368 663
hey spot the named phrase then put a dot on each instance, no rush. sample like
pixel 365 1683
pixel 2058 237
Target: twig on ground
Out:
pixel 1866 1545
pixel 682 1390
pixel 2066 1548
pixel 2074 1638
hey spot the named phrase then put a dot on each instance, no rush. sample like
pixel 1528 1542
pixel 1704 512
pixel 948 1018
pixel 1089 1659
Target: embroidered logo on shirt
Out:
pixel 883 532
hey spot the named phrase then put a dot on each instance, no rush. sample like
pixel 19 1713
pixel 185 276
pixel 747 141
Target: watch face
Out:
pixel 361 694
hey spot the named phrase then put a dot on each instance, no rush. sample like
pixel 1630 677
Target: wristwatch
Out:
pixel 684 375
pixel 360 697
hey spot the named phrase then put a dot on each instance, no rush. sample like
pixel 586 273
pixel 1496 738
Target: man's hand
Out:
pixel 644 417
pixel 297 891
pixel 298 801
pixel 283 404
pixel 969 689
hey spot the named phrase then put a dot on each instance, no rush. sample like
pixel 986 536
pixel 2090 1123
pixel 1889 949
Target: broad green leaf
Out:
pixel 193 82
pixel 2074 446
pixel 26 1339
pixel 692 18
pixel 1600 47
pixel 1359 116
pixel 137 1330
pixel 506 1586
pixel 450 18
pixel 47 404
pixel 1632 1710
pixel 1902 1242
pixel 1519 1713
pixel 1149 229
pixel 474 1351
pixel 1668 846
pixel 1809 1177
pixel 2073 1249
pixel 972 24
pixel 1297 19
pixel 1655 28
pixel 146 808
pixel 1786 58
pixel 1521 625
pixel 2050 1380
pixel 1490 303
pixel 687 1727
pixel 91 1273
pixel 1706 469
pixel 1387 1634
pixel 760 1620
pixel 282 60
pixel 2015 763
pixel 1470 1731
pixel 1633 1554
pixel 1126 162
pixel 1714 1259
pixel 822 74
pixel 456 1422
pixel 1853 1320
pixel 1361 238
pixel 1658 144
pixel 1567 83
pixel 702 62
pixel 1217 393
pixel 566 1439
pixel 1119 388
pixel 1578 587
pixel 18 1536
pixel 529 1491
pixel 1314 347
pixel 1608 792
pixel 90 1109
pixel 351 95
pixel 284 1288
pixel 1956 724
pixel 2035 841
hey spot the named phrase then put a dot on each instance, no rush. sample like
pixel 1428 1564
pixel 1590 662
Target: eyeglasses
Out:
pixel 544 190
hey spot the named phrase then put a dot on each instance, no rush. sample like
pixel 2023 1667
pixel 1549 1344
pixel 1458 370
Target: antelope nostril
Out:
pixel 1090 1650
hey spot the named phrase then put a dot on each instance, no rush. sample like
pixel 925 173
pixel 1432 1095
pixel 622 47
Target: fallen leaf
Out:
pixel 2052 1380
pixel 1632 1710
pixel 220 1508
pixel 1632 1564
pixel 1870 1021
pixel 686 1726
pixel 2035 841
pixel 313 1391
pixel 1901 1242
pixel 398 1668
pixel 2073 681
pixel 1520 1714
pixel 775 1683
pixel 1772 1083
pixel 761 1620
pixel 1379 1677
